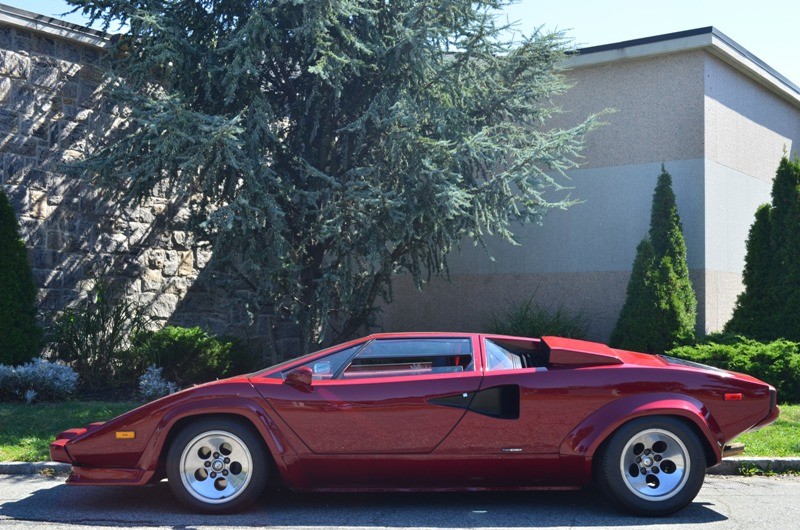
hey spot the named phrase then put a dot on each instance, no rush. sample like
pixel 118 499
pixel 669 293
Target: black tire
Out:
pixel 652 466
pixel 217 465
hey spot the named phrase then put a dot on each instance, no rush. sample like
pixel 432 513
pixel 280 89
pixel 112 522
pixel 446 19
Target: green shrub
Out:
pixel 189 355
pixel 20 335
pixel 528 319
pixel 242 359
pixel 93 337
pixel 777 362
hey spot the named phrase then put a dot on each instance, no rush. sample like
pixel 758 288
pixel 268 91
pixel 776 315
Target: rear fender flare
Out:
pixel 580 445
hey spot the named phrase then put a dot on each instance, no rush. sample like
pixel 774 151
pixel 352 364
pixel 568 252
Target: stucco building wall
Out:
pixel 718 122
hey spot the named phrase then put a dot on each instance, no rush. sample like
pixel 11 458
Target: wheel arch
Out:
pixel 579 447
pixel 708 449
pixel 187 420
pixel 249 415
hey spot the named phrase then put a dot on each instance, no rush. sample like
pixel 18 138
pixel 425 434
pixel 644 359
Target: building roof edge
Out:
pixel 52 26
pixel 709 38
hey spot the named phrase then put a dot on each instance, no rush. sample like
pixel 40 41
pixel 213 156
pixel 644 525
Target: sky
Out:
pixel 766 28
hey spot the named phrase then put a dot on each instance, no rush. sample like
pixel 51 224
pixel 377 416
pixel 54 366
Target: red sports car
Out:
pixel 434 411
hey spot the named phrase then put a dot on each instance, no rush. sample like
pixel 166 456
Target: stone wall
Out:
pixel 51 111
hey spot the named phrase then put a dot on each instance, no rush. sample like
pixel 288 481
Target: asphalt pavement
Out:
pixel 725 502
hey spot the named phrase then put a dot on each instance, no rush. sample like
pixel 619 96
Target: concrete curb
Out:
pixel 732 465
pixel 728 466
pixel 33 468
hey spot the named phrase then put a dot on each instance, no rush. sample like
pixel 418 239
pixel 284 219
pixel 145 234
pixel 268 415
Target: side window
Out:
pixel 410 357
pixel 328 366
pixel 514 354
pixel 499 358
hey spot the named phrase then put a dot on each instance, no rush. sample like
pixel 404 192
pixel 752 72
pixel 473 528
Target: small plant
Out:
pixel 152 384
pixel 93 337
pixel 37 380
pixel 748 470
pixel 528 319
pixel 751 470
pixel 30 396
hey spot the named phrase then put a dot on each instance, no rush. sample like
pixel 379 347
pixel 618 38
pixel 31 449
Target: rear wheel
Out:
pixel 217 465
pixel 652 466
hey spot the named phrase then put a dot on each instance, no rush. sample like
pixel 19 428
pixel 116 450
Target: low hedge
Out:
pixel 776 362
pixel 190 355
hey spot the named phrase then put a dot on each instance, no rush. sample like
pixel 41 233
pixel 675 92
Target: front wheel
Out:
pixel 217 465
pixel 652 466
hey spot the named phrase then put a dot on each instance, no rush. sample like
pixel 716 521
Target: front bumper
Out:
pixel 83 475
pixel 58 448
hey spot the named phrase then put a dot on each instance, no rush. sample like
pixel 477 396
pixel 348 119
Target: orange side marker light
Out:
pixel 126 435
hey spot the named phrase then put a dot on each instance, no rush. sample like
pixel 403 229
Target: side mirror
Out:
pixel 299 378
pixel 322 368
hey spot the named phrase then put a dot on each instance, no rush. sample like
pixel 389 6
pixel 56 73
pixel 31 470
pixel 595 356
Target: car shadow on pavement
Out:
pixel 155 506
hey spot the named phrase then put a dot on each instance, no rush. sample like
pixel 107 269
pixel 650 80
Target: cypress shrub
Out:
pixel 635 329
pixel 660 305
pixel 754 313
pixel 20 335
pixel 769 306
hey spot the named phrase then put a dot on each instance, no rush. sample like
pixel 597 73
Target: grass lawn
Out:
pixel 27 430
pixel 782 438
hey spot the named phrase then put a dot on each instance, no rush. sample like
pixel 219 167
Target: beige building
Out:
pixel 718 118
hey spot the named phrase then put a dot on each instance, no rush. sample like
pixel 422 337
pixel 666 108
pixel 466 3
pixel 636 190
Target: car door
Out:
pixel 391 395
pixel 513 439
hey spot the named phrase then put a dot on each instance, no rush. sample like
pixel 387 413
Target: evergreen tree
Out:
pixel 785 270
pixel 660 305
pixel 327 146
pixel 19 333
pixel 769 306
pixel 754 315
pixel 666 234
pixel 635 329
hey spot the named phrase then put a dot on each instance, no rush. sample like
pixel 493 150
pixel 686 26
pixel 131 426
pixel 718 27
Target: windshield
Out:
pixel 292 361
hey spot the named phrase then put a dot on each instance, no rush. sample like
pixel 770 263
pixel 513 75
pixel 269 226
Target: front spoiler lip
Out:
pixel 106 476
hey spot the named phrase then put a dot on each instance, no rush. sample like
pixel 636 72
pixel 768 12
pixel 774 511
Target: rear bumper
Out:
pixel 774 411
